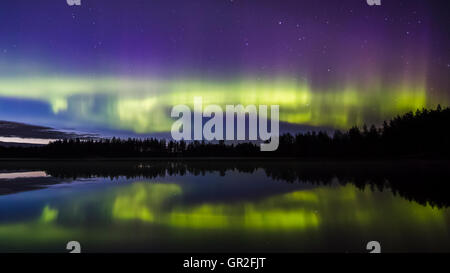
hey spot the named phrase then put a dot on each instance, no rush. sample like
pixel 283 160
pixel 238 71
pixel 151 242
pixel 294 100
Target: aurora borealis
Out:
pixel 98 82
pixel 161 214
pixel 117 67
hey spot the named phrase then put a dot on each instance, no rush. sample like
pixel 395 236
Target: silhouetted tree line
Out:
pixel 424 182
pixel 424 133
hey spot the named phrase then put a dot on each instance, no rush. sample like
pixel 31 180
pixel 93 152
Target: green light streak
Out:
pixel 299 210
pixel 141 200
pixel 143 105
pixel 131 212
pixel 49 214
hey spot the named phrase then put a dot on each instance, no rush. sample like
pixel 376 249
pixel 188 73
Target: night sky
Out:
pixel 117 67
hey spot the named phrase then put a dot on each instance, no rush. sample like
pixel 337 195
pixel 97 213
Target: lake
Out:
pixel 224 206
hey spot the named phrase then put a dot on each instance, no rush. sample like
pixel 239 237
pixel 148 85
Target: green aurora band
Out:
pixel 143 105
pixel 313 212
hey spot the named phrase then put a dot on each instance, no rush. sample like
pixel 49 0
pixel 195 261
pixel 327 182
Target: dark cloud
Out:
pixel 21 130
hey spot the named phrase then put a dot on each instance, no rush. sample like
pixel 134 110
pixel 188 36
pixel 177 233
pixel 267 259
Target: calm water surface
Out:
pixel 221 207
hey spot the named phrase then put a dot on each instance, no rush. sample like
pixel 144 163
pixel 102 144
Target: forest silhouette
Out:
pixel 420 134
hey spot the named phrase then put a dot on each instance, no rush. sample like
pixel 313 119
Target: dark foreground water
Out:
pixel 224 206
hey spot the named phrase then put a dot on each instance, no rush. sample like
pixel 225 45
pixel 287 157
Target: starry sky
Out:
pixel 117 67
